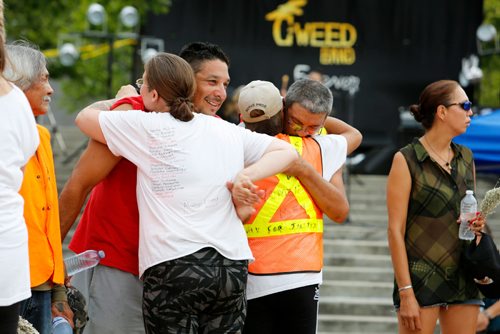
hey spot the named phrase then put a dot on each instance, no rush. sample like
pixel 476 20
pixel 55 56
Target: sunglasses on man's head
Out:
pixel 467 105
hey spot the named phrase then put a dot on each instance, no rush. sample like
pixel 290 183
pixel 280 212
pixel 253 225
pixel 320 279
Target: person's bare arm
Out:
pixel 276 158
pixel 87 121
pixel 483 319
pixel 337 127
pixel 398 196
pixel 330 195
pixel 60 306
pixel 93 166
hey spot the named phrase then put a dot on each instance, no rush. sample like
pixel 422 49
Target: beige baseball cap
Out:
pixel 260 95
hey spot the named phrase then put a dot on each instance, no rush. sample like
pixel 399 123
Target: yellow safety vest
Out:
pixel 285 233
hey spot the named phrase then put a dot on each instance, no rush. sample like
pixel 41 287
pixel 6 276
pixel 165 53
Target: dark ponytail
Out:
pixel 182 109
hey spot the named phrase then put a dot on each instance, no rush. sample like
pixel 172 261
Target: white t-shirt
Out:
pixel 183 167
pixel 333 153
pixel 18 142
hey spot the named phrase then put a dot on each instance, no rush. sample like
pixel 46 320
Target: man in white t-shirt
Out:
pixel 285 232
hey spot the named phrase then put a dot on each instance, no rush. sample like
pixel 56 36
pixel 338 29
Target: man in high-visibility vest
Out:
pixel 285 231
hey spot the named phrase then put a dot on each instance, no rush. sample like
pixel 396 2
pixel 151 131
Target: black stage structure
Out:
pixel 375 55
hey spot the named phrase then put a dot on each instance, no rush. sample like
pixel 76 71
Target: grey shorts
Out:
pixel 114 299
pixel 200 293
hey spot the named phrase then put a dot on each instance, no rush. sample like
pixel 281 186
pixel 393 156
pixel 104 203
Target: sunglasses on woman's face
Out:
pixel 467 105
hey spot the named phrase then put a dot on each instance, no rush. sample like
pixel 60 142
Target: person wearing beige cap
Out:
pixel 258 102
pixel 285 231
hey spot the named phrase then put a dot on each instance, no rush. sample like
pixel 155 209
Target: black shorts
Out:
pixel 200 293
pixel 9 318
pixel 292 311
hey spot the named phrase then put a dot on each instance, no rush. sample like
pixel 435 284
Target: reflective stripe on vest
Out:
pixel 287 238
pixel 261 227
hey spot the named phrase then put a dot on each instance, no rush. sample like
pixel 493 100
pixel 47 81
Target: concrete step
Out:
pixel 372 197
pixel 355 231
pixel 357 260
pixel 377 274
pixel 342 323
pixel 352 288
pixel 358 246
pixel 380 219
pixel 359 324
pixel 359 205
pixel 360 306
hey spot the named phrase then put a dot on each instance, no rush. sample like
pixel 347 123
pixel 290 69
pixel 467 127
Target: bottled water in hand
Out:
pixel 61 326
pixel 79 262
pixel 468 208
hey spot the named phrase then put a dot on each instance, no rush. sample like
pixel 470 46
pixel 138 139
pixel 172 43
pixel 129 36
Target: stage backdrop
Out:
pixel 375 55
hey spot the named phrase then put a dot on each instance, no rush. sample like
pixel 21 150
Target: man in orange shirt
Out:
pixel 27 69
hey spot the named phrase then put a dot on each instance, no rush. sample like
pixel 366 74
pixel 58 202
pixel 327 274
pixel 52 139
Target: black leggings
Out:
pixel 290 311
pixel 10 318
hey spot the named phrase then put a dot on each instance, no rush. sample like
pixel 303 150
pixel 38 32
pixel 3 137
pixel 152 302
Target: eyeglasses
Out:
pixel 139 82
pixel 296 126
pixel 467 105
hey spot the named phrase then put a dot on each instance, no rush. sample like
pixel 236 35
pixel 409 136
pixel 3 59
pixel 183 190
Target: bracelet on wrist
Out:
pixel 488 315
pixel 406 287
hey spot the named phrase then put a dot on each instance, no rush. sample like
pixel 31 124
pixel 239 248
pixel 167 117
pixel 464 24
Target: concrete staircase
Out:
pixel 357 285
pixel 356 296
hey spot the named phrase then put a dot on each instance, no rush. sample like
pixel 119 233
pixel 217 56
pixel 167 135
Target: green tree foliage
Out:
pixel 489 95
pixel 44 22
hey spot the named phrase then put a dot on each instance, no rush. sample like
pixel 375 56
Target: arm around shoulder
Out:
pixel 278 155
pixel 352 135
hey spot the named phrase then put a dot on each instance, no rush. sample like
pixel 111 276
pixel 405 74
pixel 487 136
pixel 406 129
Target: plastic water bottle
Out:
pixel 61 326
pixel 468 208
pixel 79 262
